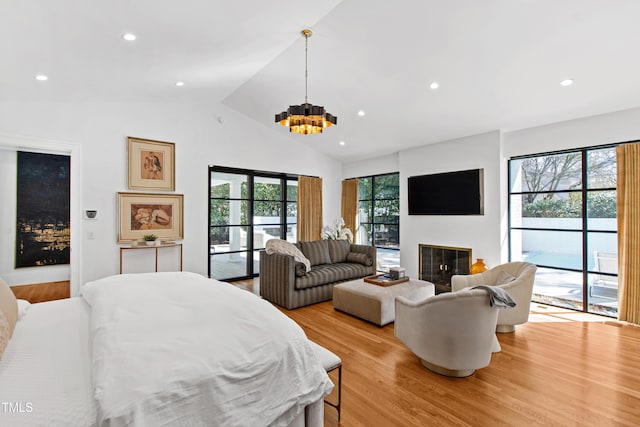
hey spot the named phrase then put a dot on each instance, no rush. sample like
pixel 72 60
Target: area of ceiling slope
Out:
pixel 499 64
pixel 213 46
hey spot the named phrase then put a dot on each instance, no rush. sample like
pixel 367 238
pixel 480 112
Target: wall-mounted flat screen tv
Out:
pixel 450 193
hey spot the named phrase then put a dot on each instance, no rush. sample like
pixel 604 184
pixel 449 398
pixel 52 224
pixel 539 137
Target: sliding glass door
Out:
pixel 379 217
pixel 247 208
pixel 563 219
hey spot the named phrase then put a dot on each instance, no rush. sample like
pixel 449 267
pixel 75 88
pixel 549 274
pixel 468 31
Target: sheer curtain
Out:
pixel 350 205
pixel 309 208
pixel 628 212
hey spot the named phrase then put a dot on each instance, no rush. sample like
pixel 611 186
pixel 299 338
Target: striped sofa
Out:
pixel 285 282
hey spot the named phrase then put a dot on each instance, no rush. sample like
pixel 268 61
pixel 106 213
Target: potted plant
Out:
pixel 150 239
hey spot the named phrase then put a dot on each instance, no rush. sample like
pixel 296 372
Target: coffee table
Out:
pixel 376 304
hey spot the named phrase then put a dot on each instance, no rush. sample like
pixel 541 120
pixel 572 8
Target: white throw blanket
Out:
pixel 277 246
pixel 181 349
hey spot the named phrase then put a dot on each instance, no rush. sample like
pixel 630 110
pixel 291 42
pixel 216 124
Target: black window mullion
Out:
pixel 585 253
pixel 283 208
pixel 250 210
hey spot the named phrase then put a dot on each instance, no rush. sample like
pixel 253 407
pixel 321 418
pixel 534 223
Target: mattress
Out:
pixel 45 373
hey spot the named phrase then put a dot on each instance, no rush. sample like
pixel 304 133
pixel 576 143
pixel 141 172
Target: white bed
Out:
pixel 170 348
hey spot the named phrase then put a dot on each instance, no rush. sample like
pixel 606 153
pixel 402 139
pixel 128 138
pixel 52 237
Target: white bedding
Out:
pixel 193 364
pixel 45 372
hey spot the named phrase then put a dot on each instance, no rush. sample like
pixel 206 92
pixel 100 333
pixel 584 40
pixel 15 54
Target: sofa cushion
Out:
pixel 329 273
pixel 338 250
pixel 316 251
pixel 359 258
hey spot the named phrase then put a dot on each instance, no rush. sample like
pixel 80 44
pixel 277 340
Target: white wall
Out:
pixel 481 233
pixel 608 128
pixel 486 235
pixel 373 166
pixel 102 129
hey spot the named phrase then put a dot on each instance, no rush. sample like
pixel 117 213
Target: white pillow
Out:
pixel 23 307
pixel 277 246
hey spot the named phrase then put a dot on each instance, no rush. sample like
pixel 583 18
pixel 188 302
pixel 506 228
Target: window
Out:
pixel 562 214
pixel 379 217
pixel 247 208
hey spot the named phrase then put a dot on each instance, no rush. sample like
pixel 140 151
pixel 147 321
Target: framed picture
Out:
pixel 143 213
pixel 152 165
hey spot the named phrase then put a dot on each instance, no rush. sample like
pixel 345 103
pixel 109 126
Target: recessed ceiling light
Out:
pixel 129 37
pixel 434 85
pixel 566 82
pixel 341 142
pixel 179 83
pixel 42 77
pixel 361 113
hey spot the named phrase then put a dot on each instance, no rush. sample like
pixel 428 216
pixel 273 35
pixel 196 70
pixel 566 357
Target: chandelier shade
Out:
pixel 306 118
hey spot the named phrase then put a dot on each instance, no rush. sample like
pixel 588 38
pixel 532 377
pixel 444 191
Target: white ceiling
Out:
pixel 499 62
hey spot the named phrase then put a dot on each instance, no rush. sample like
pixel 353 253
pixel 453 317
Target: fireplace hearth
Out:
pixel 438 263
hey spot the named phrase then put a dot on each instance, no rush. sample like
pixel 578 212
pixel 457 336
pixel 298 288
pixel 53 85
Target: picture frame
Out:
pixel 150 213
pixel 152 164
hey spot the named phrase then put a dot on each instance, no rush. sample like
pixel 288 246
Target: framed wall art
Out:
pixel 43 229
pixel 144 213
pixel 152 164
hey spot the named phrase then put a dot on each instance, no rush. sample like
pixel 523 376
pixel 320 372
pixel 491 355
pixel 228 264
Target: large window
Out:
pixel 379 217
pixel 247 208
pixel 563 219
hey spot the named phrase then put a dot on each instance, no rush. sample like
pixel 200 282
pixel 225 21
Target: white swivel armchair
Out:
pixel 514 277
pixel 452 333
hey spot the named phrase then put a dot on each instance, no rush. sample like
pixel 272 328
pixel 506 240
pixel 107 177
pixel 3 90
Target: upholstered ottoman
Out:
pixel 374 303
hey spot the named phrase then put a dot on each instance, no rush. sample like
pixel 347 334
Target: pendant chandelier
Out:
pixel 306 118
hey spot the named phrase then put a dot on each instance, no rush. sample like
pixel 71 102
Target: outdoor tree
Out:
pixel 542 176
pixel 267 202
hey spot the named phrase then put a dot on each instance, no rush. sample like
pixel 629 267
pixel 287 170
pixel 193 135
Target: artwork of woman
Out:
pixel 150 217
pixel 151 165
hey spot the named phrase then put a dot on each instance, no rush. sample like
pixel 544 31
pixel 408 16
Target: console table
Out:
pixel 173 245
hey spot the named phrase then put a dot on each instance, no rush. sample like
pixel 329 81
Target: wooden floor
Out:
pixel 562 368
pixel 42 292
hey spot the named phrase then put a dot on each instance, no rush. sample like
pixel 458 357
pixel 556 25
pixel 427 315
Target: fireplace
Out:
pixel 436 264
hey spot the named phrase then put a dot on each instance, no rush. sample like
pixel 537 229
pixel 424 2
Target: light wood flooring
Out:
pixel 42 292
pixel 562 368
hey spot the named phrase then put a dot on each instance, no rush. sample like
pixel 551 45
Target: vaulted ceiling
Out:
pixel 499 63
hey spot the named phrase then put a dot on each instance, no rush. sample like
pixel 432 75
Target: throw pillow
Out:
pixel 8 306
pixel 338 250
pixel 317 252
pixel 277 246
pixel 504 278
pixel 359 258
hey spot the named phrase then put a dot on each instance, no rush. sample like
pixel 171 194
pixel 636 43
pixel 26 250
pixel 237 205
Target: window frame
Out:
pixel 372 198
pixel 284 179
pixel 585 231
